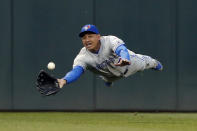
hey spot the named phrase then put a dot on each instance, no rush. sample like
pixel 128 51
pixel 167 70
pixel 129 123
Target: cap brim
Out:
pixel 86 32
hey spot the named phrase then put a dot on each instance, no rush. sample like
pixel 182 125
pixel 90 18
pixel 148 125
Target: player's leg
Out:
pixel 141 62
pixel 109 80
pixel 151 63
pixel 159 66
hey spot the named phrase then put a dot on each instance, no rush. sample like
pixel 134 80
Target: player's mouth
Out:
pixel 88 45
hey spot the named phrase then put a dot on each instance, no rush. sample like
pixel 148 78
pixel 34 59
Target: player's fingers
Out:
pixel 61 82
pixel 119 63
pixel 126 62
pixel 123 63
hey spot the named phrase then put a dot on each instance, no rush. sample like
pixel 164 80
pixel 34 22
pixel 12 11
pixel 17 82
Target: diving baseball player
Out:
pixel 108 57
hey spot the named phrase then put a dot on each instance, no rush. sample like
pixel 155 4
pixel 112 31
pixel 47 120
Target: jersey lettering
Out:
pixel 105 63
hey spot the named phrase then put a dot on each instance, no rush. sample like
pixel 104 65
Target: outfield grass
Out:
pixel 63 121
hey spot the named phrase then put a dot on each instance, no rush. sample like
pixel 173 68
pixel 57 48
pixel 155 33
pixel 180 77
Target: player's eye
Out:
pixel 83 38
pixel 90 36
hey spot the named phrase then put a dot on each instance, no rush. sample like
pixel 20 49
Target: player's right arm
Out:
pixel 71 76
pixel 79 67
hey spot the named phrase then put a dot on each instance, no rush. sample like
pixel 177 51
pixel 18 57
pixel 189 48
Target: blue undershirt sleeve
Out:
pixel 74 74
pixel 122 51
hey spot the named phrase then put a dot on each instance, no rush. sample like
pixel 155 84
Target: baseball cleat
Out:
pixel 159 66
pixel 109 84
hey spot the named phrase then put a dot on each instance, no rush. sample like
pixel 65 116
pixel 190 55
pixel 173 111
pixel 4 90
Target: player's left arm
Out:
pixel 123 53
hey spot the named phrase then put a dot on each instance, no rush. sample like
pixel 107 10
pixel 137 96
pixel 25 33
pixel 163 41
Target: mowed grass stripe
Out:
pixel 61 121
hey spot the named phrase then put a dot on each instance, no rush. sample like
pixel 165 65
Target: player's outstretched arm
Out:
pixel 124 56
pixel 61 82
pixel 71 76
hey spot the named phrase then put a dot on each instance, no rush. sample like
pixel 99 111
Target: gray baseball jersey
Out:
pixel 103 62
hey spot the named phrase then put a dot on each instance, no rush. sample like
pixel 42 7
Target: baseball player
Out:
pixel 108 57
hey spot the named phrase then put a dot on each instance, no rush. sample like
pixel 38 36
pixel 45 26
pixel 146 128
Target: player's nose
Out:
pixel 87 39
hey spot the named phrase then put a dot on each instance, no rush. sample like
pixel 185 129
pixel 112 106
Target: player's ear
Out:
pixel 99 36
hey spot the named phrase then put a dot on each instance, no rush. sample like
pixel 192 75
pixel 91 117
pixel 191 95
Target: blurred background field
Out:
pixel 105 121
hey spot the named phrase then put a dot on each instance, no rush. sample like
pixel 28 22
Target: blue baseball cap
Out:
pixel 88 29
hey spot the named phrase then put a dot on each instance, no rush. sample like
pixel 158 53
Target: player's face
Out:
pixel 91 42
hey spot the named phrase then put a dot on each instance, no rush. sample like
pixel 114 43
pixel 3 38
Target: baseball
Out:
pixel 51 66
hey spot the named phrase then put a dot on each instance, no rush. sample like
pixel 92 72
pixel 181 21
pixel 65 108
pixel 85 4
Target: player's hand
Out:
pixel 123 62
pixel 61 82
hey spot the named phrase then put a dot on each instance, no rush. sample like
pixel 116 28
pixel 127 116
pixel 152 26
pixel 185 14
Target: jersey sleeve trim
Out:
pixel 122 51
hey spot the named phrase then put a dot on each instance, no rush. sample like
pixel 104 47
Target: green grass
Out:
pixel 63 121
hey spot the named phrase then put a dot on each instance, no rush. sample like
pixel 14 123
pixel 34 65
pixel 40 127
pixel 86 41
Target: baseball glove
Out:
pixel 46 84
